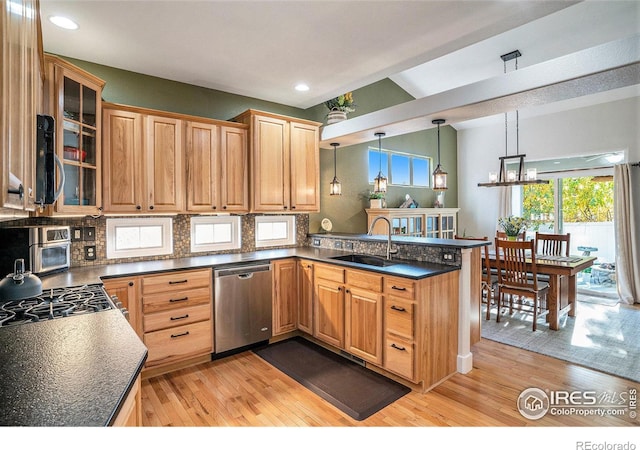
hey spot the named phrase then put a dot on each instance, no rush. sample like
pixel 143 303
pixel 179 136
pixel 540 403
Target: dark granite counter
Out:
pixel 420 241
pixel 94 274
pixel 72 371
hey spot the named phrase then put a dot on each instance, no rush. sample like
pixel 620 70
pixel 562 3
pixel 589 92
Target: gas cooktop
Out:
pixel 55 303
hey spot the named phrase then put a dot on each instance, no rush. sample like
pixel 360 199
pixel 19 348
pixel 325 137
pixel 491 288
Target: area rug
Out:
pixel 353 389
pixel 602 337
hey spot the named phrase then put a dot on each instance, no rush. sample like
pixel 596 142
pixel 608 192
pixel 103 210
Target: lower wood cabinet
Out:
pixel 348 310
pixel 127 291
pixel 130 414
pixel 177 316
pixel 285 300
pixel 407 327
pixel 305 295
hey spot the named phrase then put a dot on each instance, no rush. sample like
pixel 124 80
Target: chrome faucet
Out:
pixel 389 250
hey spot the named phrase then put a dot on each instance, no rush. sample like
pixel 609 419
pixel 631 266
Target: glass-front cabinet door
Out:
pixel 77 97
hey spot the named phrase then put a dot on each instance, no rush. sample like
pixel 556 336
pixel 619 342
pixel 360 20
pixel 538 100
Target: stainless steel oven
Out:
pixel 45 249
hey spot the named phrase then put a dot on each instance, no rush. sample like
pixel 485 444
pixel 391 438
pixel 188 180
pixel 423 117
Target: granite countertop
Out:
pixel 95 274
pixel 412 240
pixel 71 371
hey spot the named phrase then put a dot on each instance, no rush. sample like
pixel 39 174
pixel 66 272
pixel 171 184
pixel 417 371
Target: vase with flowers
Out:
pixel 339 107
pixel 513 226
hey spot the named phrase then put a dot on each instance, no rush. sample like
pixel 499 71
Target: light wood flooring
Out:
pixel 245 391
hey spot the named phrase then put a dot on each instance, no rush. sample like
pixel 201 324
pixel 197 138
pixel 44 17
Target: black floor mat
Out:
pixel 357 391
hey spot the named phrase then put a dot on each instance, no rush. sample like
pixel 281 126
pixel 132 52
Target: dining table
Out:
pixel 562 272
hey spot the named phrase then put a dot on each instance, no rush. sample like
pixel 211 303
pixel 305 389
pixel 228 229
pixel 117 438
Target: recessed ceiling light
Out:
pixel 301 87
pixel 63 22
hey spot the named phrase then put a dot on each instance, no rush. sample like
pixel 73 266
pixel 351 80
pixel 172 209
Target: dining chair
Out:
pixel 515 281
pixel 552 244
pixel 489 279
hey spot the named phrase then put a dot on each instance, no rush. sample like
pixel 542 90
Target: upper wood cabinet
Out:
pixel 74 99
pixel 143 159
pixel 284 161
pixel 159 162
pixel 163 161
pixel 217 168
pixel 20 88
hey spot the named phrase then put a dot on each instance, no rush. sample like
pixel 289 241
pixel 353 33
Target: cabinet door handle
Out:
pixel 178 282
pixel 186 316
pixel 402 349
pixel 398 308
pixel 186 333
pixel 399 288
pixel 173 300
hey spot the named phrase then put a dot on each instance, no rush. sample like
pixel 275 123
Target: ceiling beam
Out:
pixel 608 66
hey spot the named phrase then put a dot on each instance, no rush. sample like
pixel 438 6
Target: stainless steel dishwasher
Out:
pixel 242 304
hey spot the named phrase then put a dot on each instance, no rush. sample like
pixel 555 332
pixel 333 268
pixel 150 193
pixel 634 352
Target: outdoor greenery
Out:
pixel 585 199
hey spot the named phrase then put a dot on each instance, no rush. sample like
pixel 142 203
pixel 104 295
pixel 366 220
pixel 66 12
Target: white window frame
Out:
pixel 387 168
pixel 236 233
pixel 165 248
pixel 291 231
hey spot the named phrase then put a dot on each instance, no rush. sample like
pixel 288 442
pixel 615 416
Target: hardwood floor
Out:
pixel 245 391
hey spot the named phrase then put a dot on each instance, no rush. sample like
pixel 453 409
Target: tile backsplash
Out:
pixel 181 237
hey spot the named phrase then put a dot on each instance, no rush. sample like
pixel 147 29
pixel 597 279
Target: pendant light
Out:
pixel 439 175
pixel 336 188
pixel 380 182
pixel 506 177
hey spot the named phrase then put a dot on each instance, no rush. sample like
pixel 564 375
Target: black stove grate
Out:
pixel 55 303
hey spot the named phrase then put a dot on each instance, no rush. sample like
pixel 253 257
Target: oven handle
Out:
pixel 62 177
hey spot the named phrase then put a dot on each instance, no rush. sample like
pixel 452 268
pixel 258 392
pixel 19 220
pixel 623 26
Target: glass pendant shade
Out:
pixel 439 175
pixel 439 179
pixel 336 187
pixel 380 182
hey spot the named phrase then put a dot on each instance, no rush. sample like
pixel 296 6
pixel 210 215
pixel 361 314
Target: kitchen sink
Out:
pixel 369 260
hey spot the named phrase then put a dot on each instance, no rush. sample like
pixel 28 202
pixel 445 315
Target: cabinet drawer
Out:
pixel 400 287
pixel 332 273
pixel 174 300
pixel 399 316
pixel 178 342
pixel 176 281
pixel 365 280
pixel 176 317
pixel 398 356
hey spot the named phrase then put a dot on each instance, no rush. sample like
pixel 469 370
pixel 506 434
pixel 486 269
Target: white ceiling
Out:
pixel 262 49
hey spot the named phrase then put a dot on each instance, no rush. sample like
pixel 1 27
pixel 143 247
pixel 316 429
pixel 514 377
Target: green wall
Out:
pixel 347 211
pixel 136 89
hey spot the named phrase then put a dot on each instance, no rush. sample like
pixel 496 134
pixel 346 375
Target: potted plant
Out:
pixel 376 200
pixel 339 107
pixel 513 226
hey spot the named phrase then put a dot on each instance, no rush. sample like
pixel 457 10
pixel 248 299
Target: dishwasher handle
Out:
pixel 243 272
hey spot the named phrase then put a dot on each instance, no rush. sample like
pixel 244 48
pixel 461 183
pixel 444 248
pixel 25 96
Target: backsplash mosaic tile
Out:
pixel 181 237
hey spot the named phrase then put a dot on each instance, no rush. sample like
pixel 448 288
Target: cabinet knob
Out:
pixel 347 291
pixel 285 207
pixel 293 207
pixel 224 207
pixel 214 207
pixel 339 289
pixel 151 207
pixel 130 283
pixel 138 207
